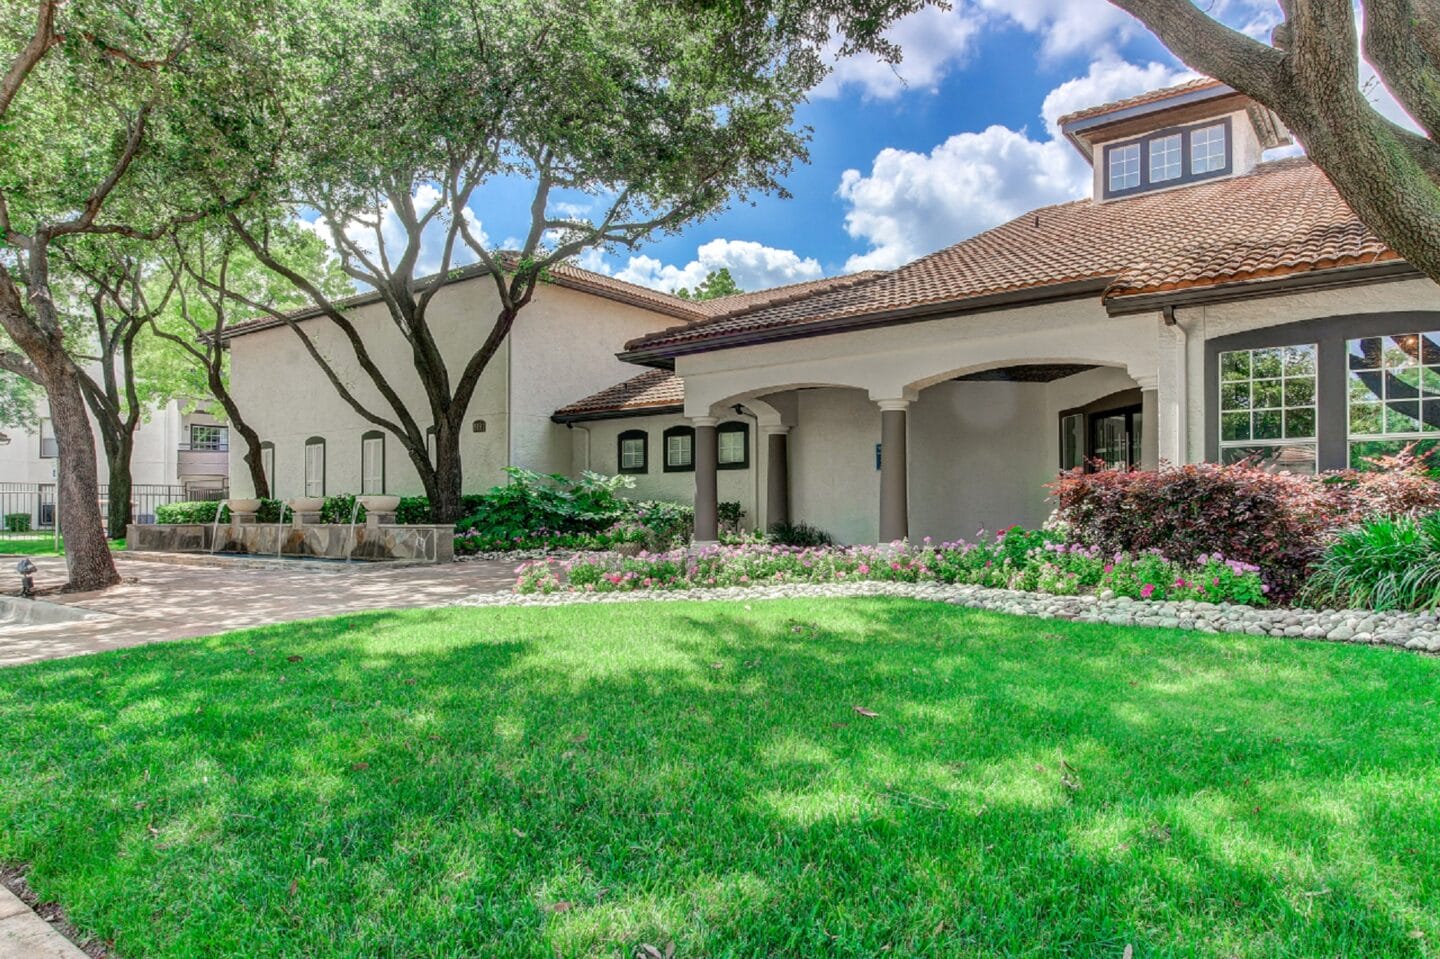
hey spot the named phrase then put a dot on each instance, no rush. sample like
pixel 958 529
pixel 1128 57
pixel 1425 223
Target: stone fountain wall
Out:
pixel 379 542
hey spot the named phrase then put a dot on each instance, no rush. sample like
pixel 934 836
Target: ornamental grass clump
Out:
pixel 1014 559
pixel 1387 563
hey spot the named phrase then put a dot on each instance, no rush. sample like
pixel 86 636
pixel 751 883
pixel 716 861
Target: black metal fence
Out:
pixel 28 509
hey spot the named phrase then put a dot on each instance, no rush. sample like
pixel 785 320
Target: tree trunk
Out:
pixel 119 511
pixel 91 566
pixel 254 459
pixel 445 501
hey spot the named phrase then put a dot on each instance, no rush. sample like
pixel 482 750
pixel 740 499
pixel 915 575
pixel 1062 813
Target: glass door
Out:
pixel 1115 439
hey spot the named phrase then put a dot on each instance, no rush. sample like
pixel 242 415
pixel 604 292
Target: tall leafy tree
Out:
pixel 662 113
pixel 1310 77
pixel 113 115
pixel 717 283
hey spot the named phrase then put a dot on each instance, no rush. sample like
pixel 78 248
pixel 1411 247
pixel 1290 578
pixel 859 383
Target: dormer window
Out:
pixel 1172 157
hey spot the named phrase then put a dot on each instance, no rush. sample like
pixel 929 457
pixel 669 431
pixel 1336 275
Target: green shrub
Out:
pixel 339 509
pixel 1385 563
pixel 799 534
pixel 202 511
pixel 17 522
pixel 413 510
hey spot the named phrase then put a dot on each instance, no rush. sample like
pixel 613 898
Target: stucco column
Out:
pixel 1149 427
pixel 894 505
pixel 777 475
pixel 707 496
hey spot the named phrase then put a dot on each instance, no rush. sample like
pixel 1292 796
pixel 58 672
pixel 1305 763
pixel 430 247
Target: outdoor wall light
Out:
pixel 26 569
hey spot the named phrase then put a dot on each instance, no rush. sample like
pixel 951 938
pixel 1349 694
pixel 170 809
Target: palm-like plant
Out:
pixel 1384 563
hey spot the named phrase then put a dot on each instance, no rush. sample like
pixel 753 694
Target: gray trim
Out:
pixel 1030 296
pixel 1329 334
pixel 372 435
pixel 644 437
pixel 1185 177
pixel 567 418
pixel 733 426
pixel 1338 277
pixel 665 449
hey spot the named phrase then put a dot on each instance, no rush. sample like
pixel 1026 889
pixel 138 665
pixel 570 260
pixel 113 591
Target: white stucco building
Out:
pixel 1202 304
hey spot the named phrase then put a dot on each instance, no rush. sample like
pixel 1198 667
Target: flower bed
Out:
pixel 1016 559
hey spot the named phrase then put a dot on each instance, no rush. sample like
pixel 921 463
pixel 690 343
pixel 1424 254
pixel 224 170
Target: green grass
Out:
pixel 582 781
pixel 41 545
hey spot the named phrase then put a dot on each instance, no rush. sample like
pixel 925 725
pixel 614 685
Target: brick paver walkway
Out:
pixel 159 601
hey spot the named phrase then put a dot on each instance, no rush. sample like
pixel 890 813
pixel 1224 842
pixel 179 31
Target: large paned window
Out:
pixel 733 440
pixel 209 438
pixel 1207 149
pixel 314 467
pixel 267 466
pixel 49 449
pixel 1125 167
pixel 1393 398
pixel 1167 158
pixel 372 463
pixel 1268 403
pixel 1072 441
pixel 679 449
pixel 633 451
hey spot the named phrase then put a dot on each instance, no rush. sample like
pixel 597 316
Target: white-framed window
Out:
pixel 49 448
pixel 315 467
pixel 679 449
pixel 1165 155
pixel 1393 398
pixel 1268 404
pixel 372 464
pixel 633 449
pixel 733 446
pixel 267 466
pixel 1207 149
pixel 1124 167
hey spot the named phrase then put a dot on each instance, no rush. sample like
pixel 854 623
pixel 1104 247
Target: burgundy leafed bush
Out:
pixel 1280 522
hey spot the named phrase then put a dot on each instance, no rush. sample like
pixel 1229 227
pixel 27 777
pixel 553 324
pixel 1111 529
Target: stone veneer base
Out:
pixel 1414 631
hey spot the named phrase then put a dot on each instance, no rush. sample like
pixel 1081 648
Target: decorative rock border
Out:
pixel 1415 631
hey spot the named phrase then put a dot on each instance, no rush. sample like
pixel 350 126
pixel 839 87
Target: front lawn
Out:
pixel 41 545
pixel 590 780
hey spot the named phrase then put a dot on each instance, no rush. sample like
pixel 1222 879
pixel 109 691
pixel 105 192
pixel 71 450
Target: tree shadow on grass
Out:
pixel 577 782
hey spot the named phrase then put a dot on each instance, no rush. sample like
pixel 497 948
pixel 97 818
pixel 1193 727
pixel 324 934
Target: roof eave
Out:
pixel 1339 277
pixel 1075 130
pixel 1028 296
pixel 567 419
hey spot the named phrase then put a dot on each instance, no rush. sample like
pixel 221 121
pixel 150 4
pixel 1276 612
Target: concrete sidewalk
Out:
pixel 158 601
pixel 24 935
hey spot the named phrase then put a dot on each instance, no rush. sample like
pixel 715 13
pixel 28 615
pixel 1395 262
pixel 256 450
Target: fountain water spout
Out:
pixel 354 512
pixel 215 525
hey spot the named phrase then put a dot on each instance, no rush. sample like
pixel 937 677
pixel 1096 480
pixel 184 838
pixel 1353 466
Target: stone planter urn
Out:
pixel 379 509
pixel 243 510
pixel 306 509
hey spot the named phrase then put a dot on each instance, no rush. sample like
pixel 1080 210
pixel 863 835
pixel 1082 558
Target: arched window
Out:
pixel 267 465
pixel 632 451
pixel 680 449
pixel 315 466
pixel 372 463
pixel 733 440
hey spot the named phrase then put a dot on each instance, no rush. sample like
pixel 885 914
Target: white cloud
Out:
pixel 754 266
pixel 1068 26
pixel 362 232
pixel 932 42
pixel 911 204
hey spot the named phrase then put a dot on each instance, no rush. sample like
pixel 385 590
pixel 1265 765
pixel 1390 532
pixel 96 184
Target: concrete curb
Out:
pixel 19 611
pixel 24 935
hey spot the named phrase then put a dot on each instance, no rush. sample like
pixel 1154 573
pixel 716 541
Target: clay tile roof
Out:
pixel 1150 96
pixel 723 305
pixel 654 391
pixel 1283 218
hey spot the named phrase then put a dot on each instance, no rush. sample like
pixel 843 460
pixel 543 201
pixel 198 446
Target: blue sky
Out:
pixel 905 160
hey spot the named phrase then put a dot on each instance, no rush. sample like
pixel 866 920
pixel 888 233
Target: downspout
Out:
pixel 754 459
pixel 1182 383
pixel 588 451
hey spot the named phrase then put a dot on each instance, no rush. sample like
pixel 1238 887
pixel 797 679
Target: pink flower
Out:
pixel 1147 590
